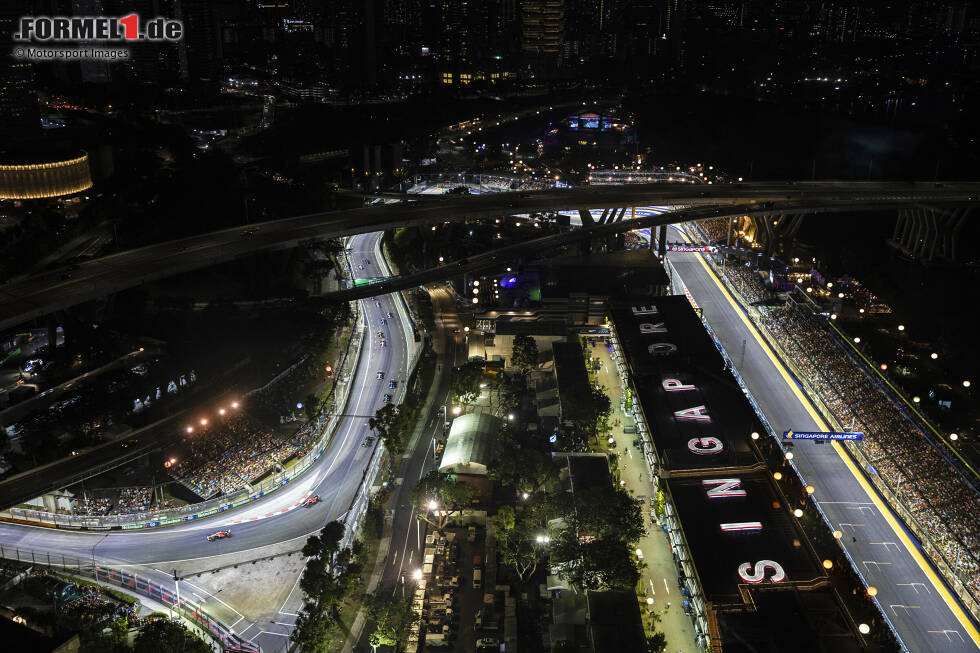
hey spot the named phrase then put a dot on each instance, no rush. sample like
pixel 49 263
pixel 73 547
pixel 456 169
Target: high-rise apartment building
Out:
pixel 543 26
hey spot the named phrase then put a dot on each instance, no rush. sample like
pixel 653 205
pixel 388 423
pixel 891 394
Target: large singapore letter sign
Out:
pixel 705 446
pixel 674 385
pixel 695 414
pixel 720 488
pixel 757 573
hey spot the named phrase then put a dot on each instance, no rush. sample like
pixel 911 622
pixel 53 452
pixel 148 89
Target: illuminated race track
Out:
pixel 43 293
pixel 923 611
pixel 276 519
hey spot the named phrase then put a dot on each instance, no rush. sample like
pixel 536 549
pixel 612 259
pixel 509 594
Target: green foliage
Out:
pixel 163 635
pixel 601 405
pixel 524 469
pixel 597 563
pixel 657 643
pixel 518 548
pixel 112 642
pixel 525 352
pixel 331 573
pixel 392 618
pixel 595 548
pixel 393 426
pixel 450 497
pixel 504 521
pixel 466 381
pixel 313 631
pixel 661 507
pixel 607 512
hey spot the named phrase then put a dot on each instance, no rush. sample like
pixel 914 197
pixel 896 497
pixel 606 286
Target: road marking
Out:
pixel 212 596
pixel 292 589
pixel 947 634
pixel 887 544
pixel 885 511
pixel 915 586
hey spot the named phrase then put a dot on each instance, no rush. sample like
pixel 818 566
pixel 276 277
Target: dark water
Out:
pixel 764 141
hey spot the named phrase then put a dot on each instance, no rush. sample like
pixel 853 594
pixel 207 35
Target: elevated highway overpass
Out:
pixel 538 248
pixel 43 293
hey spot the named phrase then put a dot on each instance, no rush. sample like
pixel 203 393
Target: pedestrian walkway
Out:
pixel 660 578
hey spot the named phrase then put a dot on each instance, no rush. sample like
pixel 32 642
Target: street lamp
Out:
pixel 933 355
pixel 872 590
pixel 417 574
pixel 778 476
pixel 755 435
pixel 457 410
pixel 864 628
pixel 797 513
pixel 510 417
pixel 857 340
pixel 838 534
pixel 966 384
pixel 827 564
pixel 234 404
pixel 204 422
pixel 954 437
pixel 190 429
pixel 789 455
pixel 810 489
pixel 433 504
pixel 901 327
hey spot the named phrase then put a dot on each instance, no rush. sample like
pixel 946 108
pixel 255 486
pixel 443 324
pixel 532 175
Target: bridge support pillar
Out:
pixel 927 234
pixel 50 503
pixel 661 240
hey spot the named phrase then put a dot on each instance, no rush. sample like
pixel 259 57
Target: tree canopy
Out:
pixel 392 617
pixel 165 635
pixel 393 426
pixel 525 352
pixel 593 564
pixel 524 469
pixel 466 381
pixel 450 497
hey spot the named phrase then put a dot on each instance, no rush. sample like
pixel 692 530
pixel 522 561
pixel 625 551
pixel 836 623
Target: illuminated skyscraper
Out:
pixel 544 26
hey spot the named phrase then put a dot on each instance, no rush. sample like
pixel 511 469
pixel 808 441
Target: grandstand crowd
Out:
pixel 940 499
pixel 232 453
pixel 716 229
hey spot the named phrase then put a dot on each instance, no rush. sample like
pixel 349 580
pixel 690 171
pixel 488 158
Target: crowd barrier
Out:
pixel 218 632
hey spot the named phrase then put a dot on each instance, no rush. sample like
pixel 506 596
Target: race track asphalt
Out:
pixel 916 601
